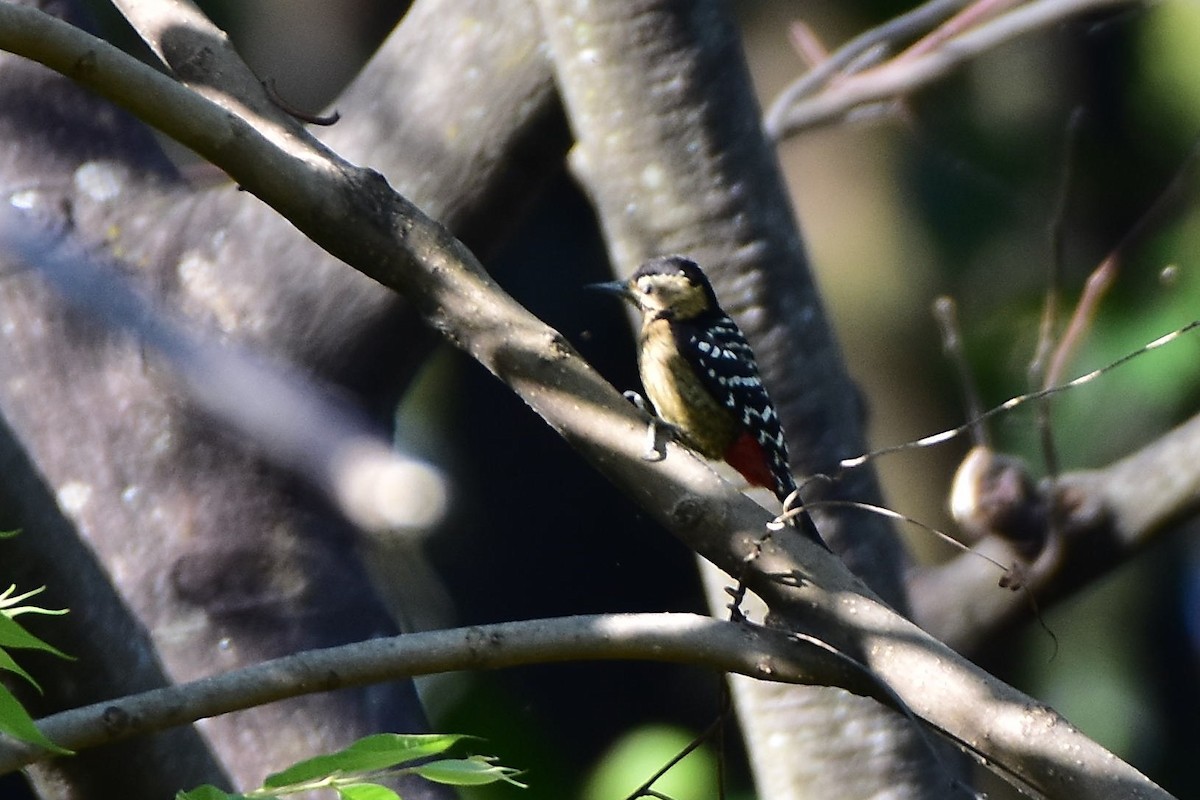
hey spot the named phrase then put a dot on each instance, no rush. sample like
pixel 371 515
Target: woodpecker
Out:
pixel 700 374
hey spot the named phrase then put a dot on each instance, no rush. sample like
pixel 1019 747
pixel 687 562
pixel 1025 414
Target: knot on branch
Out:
pixel 555 348
pixel 994 494
pixel 84 67
pixel 690 511
pixel 116 719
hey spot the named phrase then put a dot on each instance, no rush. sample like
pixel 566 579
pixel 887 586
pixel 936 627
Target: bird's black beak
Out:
pixel 619 288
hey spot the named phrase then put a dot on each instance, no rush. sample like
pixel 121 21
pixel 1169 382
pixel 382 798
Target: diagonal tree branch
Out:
pixel 352 213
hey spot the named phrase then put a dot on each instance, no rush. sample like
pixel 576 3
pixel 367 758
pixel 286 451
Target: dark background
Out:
pixel 956 195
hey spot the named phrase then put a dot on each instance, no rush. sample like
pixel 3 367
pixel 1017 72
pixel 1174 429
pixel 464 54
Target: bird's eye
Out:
pixel 649 288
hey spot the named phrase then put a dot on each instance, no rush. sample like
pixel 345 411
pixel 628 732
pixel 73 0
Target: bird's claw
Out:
pixel 654 450
pixel 638 401
pixel 737 595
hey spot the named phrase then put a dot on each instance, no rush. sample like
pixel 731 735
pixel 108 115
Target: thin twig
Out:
pixel 1105 273
pixel 899 29
pixel 963 21
pixel 795 111
pixel 1019 400
pixel 1038 373
pixel 710 732
pixel 324 120
pixel 945 311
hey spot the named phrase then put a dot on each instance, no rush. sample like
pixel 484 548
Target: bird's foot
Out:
pixel 656 449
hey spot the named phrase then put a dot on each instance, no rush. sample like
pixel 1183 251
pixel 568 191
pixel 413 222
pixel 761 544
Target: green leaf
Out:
pixel 16 722
pixel 381 751
pixel 366 791
pixel 7 663
pixel 13 635
pixel 9 534
pixel 474 771
pixel 208 792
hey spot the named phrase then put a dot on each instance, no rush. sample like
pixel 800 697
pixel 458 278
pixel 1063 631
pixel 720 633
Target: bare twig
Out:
pixel 892 80
pixel 1126 504
pixel 679 638
pixel 713 731
pixel 1106 271
pixel 324 120
pixel 899 29
pixel 945 311
pixel 1037 372
pixel 1020 400
pixel 968 18
pixel 202 57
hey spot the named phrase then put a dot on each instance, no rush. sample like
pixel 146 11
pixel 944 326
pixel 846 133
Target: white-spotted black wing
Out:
pixel 726 366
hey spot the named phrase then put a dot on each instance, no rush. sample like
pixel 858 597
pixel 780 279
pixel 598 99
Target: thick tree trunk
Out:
pixel 218 560
pixel 671 150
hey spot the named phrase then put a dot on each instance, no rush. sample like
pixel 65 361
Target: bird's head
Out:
pixel 666 287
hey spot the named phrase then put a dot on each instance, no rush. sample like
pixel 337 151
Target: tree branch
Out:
pixel 887 35
pixel 672 638
pixel 801 107
pixel 352 213
pixel 1109 514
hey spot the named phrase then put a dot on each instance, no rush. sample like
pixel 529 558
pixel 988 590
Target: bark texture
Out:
pixel 218 560
pixel 670 148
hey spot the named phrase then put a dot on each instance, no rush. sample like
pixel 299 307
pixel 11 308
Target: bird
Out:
pixel 701 376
